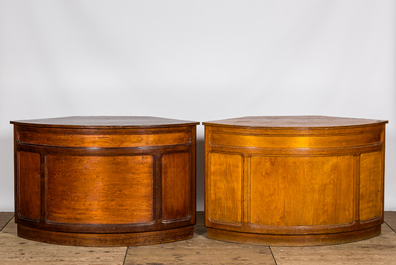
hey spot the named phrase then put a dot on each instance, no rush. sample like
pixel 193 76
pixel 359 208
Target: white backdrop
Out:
pixel 196 60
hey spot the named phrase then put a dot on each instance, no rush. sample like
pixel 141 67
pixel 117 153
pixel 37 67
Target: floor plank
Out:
pixel 18 251
pixel 390 219
pixel 380 250
pixel 5 217
pixel 199 250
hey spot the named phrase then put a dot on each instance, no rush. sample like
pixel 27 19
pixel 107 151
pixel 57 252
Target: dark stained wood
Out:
pixel 176 187
pixel 105 122
pixel 106 240
pixel 28 188
pixel 73 139
pixel 87 189
pixel 98 181
pixel 286 180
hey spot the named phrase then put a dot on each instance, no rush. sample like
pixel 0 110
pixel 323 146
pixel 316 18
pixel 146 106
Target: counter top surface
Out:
pixel 294 122
pixel 105 122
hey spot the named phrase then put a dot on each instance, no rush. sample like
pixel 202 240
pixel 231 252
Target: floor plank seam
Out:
pixel 126 254
pixel 7 223
pixel 273 255
pixel 389 226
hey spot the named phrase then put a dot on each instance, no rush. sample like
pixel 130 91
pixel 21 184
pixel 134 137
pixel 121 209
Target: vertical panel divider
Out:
pixel 157 186
pixel 357 187
pixel 206 175
pixel 246 190
pixel 16 174
pixel 193 172
pixel 44 186
pixel 383 172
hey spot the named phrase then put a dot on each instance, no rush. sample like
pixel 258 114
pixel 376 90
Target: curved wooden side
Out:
pixel 105 187
pixel 294 186
pixel 106 240
pixel 293 240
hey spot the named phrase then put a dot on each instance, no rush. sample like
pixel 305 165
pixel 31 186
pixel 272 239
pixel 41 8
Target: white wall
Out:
pixel 196 60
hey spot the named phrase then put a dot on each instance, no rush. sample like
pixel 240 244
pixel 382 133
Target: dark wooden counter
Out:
pixel 105 181
pixel 294 181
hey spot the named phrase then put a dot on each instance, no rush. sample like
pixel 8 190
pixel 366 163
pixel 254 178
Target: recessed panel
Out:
pixel 371 186
pixel 100 189
pixel 176 186
pixel 29 198
pixel 225 192
pixel 301 191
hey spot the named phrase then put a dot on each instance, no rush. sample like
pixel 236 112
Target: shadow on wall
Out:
pixel 200 162
pixel 7 174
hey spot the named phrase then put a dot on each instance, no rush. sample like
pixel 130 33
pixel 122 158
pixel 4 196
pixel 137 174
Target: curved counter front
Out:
pixel 294 181
pixel 105 181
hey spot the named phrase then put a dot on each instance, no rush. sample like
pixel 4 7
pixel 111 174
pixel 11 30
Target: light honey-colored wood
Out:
pixel 303 180
pixel 371 185
pixel 278 141
pixel 226 186
pixel 325 185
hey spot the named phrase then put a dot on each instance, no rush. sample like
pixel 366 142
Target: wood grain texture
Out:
pixel 371 185
pixel 5 217
pixel 274 141
pixel 294 240
pixel 379 250
pixel 87 189
pixel 97 181
pixel 28 186
pixel 312 122
pixel 105 122
pixel 106 240
pixel 199 250
pixel 301 177
pixel 390 219
pixel 176 186
pixel 225 192
pixel 72 139
pixel 301 191
pixel 15 250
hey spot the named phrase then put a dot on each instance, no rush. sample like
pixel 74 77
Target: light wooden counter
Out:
pixel 294 181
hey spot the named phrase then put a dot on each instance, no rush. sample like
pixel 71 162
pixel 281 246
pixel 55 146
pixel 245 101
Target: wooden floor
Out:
pixel 198 250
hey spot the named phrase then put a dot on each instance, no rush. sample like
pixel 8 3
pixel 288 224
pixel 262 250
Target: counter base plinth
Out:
pixel 293 240
pixel 106 240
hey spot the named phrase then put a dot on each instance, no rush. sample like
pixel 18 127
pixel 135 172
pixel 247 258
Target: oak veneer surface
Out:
pixel 297 180
pixel 105 181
